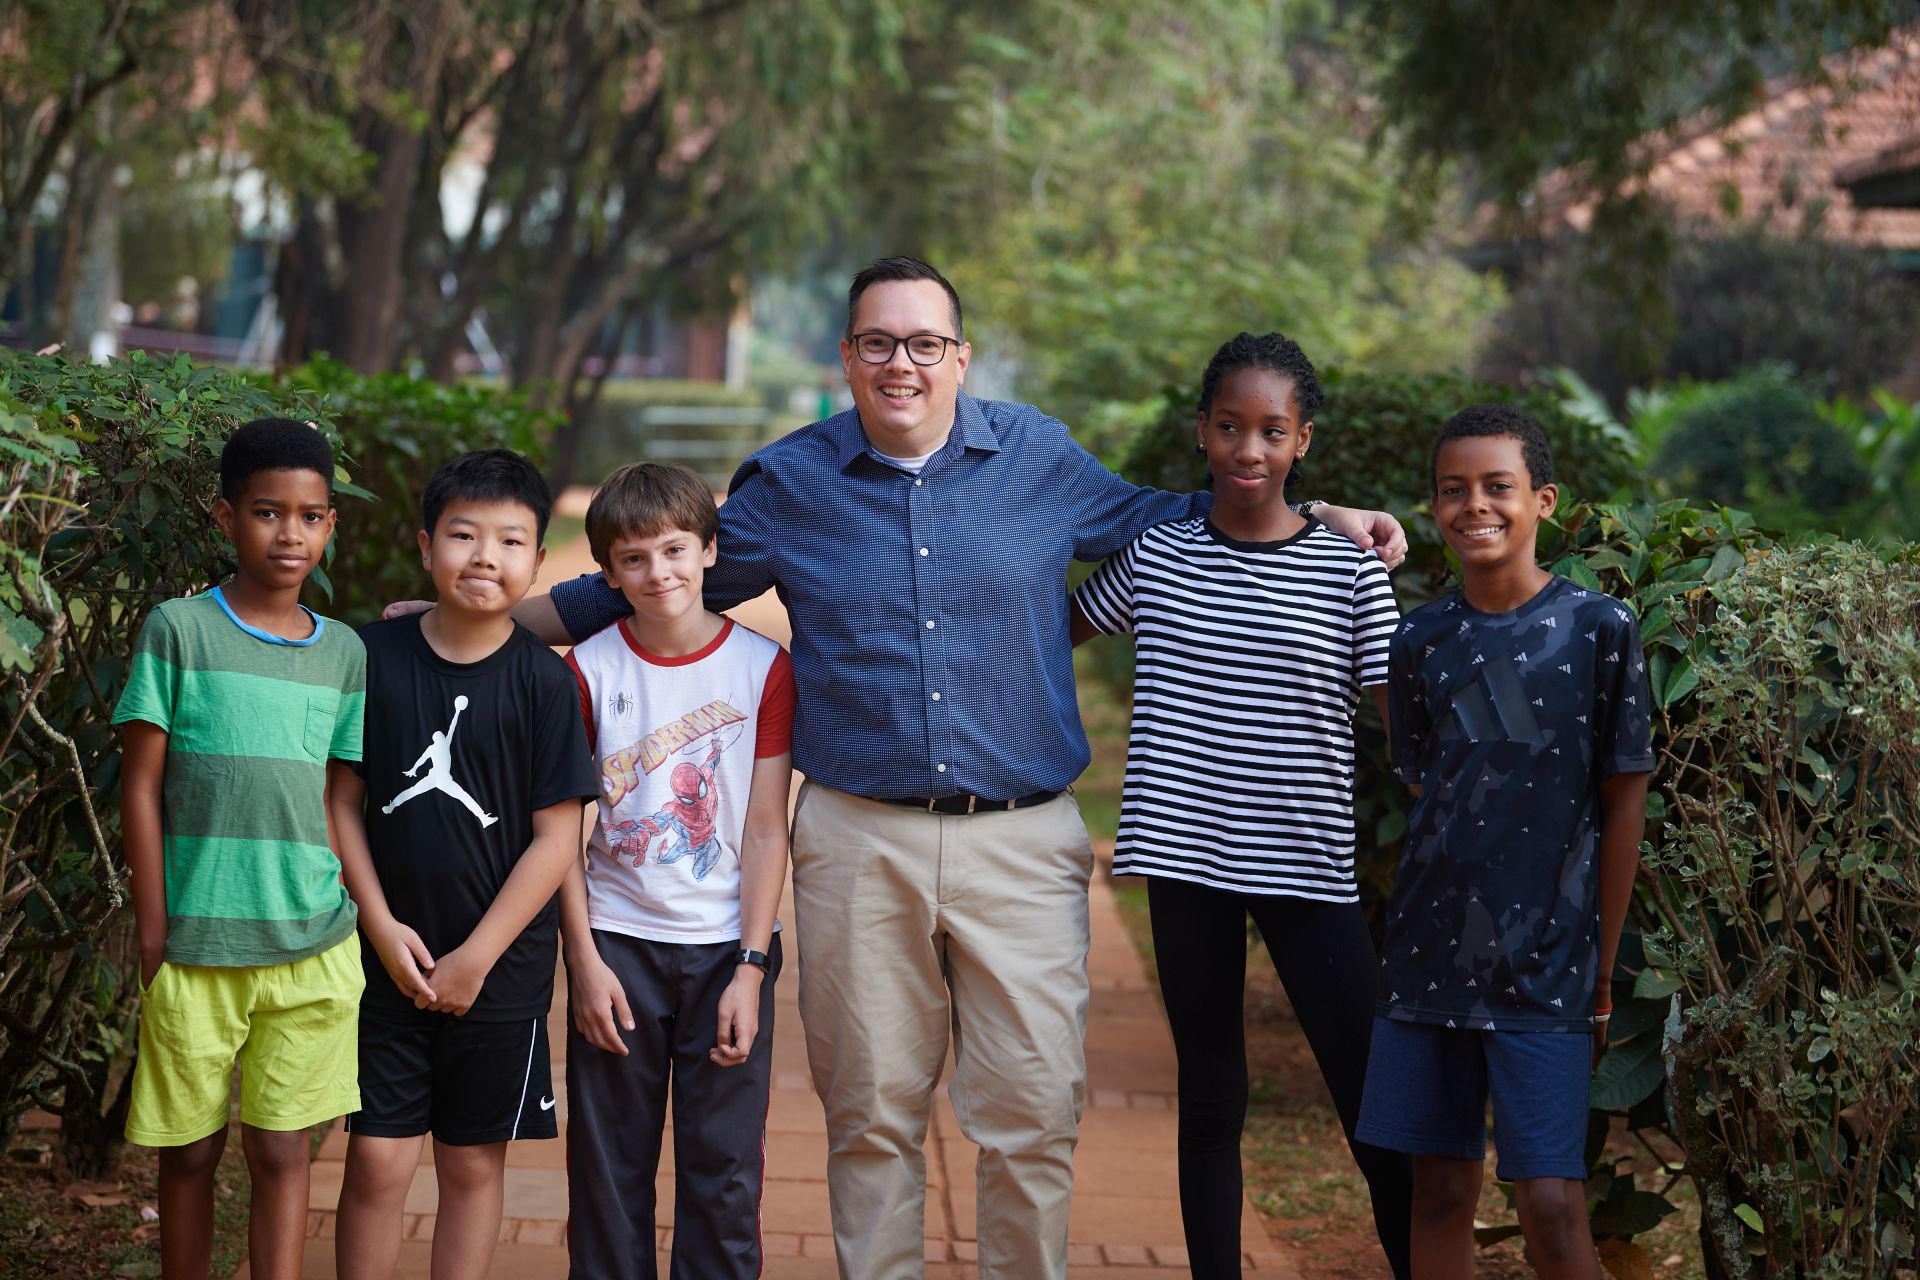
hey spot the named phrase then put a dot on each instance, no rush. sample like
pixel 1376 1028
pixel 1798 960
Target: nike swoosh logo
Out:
pixel 546 1104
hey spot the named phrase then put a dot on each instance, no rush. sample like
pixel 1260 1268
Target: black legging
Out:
pixel 1326 961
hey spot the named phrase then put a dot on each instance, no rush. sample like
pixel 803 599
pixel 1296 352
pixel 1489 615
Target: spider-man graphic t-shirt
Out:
pixel 458 758
pixel 675 740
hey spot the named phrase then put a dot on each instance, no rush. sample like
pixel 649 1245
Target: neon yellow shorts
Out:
pixel 295 1029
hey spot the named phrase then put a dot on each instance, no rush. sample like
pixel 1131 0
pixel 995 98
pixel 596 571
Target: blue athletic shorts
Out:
pixel 1427 1090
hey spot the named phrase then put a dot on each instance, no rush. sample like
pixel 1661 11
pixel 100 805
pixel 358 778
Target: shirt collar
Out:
pixel 971 430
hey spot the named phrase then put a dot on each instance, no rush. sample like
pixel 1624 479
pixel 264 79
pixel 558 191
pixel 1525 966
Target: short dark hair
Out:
pixel 272 444
pixel 487 475
pixel 882 270
pixel 643 499
pixel 1498 420
pixel 1275 351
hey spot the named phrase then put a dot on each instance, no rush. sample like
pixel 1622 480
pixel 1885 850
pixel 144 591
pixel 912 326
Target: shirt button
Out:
pixel 936 697
pixel 917 483
pixel 929 624
pixel 942 768
pixel 924 551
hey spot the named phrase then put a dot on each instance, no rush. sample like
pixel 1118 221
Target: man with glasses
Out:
pixel 940 866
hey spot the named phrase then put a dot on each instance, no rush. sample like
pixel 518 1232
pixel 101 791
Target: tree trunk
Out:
pixel 374 235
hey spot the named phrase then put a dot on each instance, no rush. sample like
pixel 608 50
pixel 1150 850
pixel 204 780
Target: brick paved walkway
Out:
pixel 1126 1216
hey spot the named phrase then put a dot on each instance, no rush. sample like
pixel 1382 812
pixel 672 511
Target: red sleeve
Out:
pixel 776 709
pixel 586 702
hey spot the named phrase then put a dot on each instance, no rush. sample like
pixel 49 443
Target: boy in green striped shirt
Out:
pixel 235 702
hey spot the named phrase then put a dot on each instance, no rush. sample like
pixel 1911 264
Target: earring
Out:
pixel 1200 449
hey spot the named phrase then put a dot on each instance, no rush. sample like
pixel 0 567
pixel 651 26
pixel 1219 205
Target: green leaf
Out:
pixel 1683 681
pixel 1627 1073
pixel 1749 1215
pixel 1575 570
pixel 1656 984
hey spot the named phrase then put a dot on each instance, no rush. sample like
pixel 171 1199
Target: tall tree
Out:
pixel 1515 88
pixel 1126 188
pixel 58 59
pixel 608 152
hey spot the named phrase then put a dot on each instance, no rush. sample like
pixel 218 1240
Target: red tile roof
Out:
pixel 1781 159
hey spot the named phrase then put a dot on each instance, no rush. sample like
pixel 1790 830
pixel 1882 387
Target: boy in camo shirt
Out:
pixel 1519 712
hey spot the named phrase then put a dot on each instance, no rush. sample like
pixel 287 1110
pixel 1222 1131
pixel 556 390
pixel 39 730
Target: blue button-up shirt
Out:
pixel 930 650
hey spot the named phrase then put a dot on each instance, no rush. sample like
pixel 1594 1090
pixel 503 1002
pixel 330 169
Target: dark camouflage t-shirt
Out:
pixel 1508 721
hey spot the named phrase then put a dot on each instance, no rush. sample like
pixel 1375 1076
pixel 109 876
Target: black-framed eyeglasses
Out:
pixel 876 347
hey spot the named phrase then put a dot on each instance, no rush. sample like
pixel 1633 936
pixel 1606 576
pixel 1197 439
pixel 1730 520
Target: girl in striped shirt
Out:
pixel 1256 628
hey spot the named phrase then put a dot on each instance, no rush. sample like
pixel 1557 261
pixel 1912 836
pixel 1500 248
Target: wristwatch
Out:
pixel 759 959
pixel 1306 508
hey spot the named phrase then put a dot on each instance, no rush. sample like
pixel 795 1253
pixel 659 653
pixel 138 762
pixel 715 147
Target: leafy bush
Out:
pixel 1759 441
pixel 1887 440
pixel 110 478
pixel 108 475
pixel 1785 916
pixel 1764 996
pixel 1836 313
pixel 1372 442
pixel 398 430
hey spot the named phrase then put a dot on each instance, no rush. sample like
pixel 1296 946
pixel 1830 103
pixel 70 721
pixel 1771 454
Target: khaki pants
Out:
pixel 910 922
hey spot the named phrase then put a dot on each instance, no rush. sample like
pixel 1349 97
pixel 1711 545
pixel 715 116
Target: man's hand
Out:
pixel 404 956
pixel 401 608
pixel 739 1017
pixel 456 980
pixel 598 1002
pixel 1369 530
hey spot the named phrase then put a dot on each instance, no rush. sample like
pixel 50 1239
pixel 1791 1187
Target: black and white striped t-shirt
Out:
pixel 1250 661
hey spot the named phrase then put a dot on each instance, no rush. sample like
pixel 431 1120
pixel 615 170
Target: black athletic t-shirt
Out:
pixel 458 757
pixel 1509 722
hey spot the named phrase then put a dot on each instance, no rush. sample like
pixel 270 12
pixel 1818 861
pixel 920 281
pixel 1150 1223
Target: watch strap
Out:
pixel 759 959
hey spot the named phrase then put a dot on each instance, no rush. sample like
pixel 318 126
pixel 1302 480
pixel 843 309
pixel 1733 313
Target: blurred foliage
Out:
pixel 1542 107
pixel 1836 313
pixel 1758 441
pixel 110 477
pixel 398 430
pixel 1855 471
pixel 1886 437
pixel 1127 186
pixel 1516 89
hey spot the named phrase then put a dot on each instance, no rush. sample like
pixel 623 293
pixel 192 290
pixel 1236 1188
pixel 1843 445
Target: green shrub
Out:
pixel 1838 314
pixel 110 477
pixel 396 430
pixel 1760 442
pixel 1784 922
pixel 1372 444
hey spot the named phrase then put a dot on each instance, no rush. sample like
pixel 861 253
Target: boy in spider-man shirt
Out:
pixel 669 927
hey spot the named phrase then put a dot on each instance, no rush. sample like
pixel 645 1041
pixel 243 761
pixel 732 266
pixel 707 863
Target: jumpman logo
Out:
pixel 438 757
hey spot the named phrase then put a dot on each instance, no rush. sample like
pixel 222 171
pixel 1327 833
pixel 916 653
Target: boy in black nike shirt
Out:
pixel 455 831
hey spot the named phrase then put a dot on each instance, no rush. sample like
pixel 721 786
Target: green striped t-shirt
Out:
pixel 251 721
